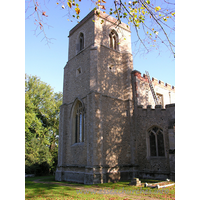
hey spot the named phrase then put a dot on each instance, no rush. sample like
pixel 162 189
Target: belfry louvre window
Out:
pixel 79 121
pixel 113 40
pixel 156 141
pixel 81 41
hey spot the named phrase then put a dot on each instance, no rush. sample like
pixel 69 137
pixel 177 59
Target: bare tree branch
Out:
pixel 140 13
pixel 150 12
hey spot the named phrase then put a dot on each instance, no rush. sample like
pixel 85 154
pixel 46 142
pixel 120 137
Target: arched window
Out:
pixel 156 141
pixel 152 139
pixel 78 122
pixel 81 41
pixel 113 40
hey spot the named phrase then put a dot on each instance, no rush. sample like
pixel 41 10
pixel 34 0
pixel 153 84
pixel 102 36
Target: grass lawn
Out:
pixel 51 189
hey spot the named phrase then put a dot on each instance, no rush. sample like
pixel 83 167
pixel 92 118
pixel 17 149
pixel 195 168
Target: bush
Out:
pixel 38 169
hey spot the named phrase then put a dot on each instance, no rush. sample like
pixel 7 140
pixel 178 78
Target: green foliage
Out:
pixel 41 125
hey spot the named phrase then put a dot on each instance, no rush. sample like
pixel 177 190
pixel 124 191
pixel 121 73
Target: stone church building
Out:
pixel 112 127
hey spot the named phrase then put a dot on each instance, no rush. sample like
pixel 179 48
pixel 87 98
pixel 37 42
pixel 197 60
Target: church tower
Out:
pixel 95 117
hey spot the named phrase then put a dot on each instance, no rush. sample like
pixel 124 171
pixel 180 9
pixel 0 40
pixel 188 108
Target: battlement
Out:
pixel 158 110
pixel 156 107
pixel 155 81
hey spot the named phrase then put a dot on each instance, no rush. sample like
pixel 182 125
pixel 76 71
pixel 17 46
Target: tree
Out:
pixel 153 21
pixel 41 123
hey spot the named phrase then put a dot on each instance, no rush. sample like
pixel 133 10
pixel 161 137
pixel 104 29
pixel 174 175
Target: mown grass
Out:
pixel 53 191
pixel 114 191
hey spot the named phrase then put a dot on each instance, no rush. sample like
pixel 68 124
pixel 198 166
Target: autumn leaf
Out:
pixel 69 4
pixel 102 7
pixel 103 1
pixel 135 2
pixel 77 10
pixel 157 8
pixel 40 25
pixel 44 13
pixel 165 19
pixel 148 2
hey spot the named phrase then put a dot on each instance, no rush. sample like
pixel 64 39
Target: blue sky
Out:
pixel 47 62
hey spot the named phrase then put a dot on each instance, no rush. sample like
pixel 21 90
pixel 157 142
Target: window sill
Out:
pixel 80 51
pixel 77 144
pixel 157 157
pixel 118 51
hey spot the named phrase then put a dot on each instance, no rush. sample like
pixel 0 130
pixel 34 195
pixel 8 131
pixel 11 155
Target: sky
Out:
pixel 47 61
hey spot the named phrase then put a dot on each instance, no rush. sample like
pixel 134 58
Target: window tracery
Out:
pixel 79 122
pixel 156 141
pixel 113 40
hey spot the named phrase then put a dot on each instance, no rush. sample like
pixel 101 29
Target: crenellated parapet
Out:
pixel 142 92
pixel 141 110
pixel 157 115
pixel 155 81
pixel 162 84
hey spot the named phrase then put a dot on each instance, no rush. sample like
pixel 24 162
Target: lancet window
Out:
pixel 156 141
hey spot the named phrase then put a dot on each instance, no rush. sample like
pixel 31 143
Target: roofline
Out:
pixel 102 15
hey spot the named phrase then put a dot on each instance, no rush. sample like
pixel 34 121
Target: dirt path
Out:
pixel 119 192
